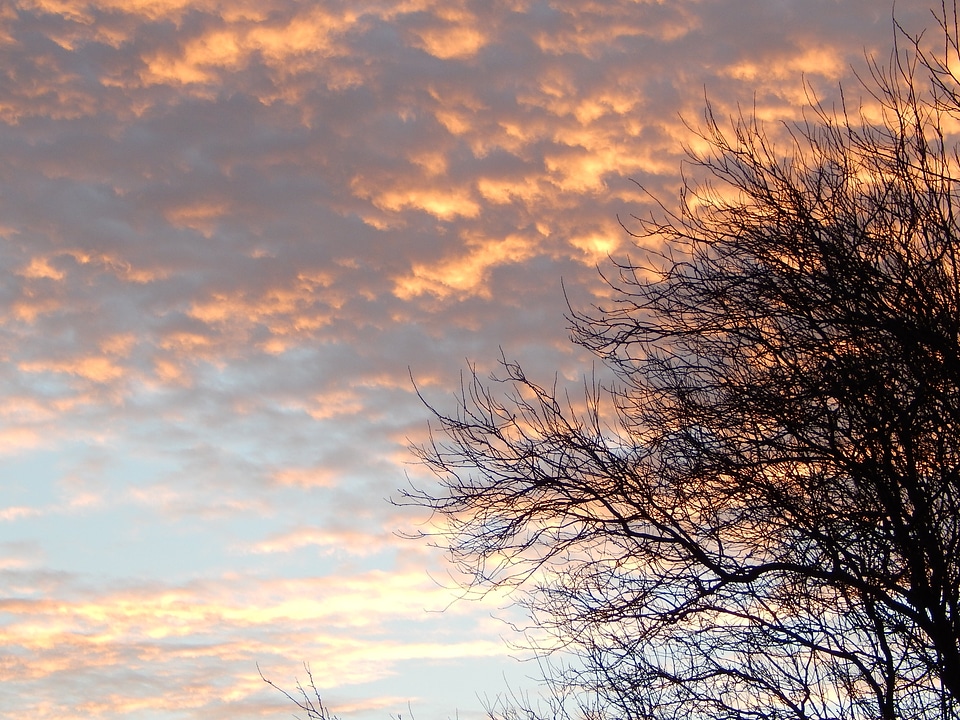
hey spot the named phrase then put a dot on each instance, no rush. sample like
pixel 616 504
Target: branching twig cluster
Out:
pixel 768 524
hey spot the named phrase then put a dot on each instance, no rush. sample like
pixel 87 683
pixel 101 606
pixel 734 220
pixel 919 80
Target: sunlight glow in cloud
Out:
pixel 232 230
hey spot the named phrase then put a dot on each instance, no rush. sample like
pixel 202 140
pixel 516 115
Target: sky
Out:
pixel 231 231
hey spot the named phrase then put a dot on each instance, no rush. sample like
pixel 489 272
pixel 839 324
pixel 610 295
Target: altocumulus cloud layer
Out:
pixel 227 229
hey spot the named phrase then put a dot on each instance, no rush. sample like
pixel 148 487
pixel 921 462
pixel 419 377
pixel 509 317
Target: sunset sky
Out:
pixel 231 230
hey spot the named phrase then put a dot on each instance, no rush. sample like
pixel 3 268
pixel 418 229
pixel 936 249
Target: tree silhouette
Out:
pixel 306 699
pixel 760 518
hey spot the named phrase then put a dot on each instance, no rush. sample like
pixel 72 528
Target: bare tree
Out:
pixel 766 524
pixel 306 699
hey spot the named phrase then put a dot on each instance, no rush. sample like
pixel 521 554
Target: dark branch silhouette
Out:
pixel 761 518
pixel 306 699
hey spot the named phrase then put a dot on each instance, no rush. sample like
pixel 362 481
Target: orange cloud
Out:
pixel 287 312
pixel 595 26
pixel 597 247
pixel 445 204
pixel 198 215
pixel 40 267
pixel 173 632
pixel 465 274
pixel 294 44
pixel 458 42
pixel 97 369
pixel 821 60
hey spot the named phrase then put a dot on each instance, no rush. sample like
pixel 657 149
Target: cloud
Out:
pixel 467 273
pixel 230 232
pixel 197 645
